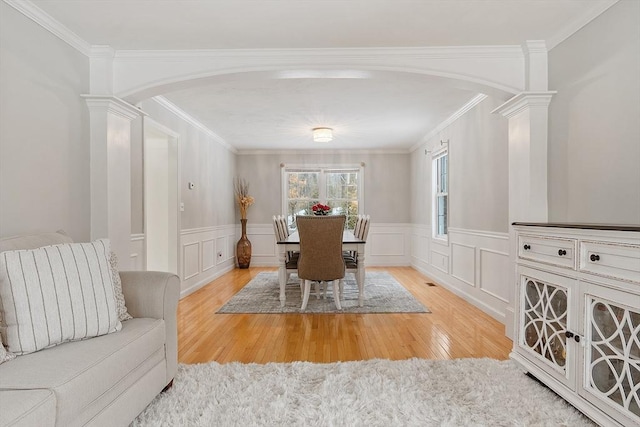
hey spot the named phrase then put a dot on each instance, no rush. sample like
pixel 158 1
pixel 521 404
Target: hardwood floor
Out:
pixel 453 329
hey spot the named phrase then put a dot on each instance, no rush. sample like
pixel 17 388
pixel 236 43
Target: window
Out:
pixel 440 194
pixel 338 187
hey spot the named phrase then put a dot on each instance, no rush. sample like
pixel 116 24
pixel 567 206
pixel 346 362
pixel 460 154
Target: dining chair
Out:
pixel 282 232
pixel 320 253
pixel 351 257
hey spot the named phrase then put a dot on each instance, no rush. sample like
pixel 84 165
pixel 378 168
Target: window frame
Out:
pixel 436 193
pixel 322 169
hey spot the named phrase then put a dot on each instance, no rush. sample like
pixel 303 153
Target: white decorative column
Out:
pixel 528 202
pixel 110 163
pixel 528 124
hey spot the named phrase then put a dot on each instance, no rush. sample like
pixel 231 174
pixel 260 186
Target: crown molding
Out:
pixel 50 24
pixel 452 118
pixel 523 101
pixel 114 105
pixel 437 52
pixel 164 102
pixel 572 27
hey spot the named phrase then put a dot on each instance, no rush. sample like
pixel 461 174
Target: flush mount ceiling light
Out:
pixel 322 134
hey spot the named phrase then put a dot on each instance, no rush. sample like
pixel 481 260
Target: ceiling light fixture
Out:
pixel 322 134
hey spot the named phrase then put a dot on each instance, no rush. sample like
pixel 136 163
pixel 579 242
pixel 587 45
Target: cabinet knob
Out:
pixel 527 247
pixel 594 257
pixel 568 334
pixel 562 252
pixel 576 337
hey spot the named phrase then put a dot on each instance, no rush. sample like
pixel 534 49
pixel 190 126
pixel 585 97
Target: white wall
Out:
pixel 386 181
pixel 44 136
pixel 208 222
pixel 474 262
pixel 594 121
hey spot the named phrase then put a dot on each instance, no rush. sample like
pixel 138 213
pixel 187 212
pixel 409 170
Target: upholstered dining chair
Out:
pixel 320 253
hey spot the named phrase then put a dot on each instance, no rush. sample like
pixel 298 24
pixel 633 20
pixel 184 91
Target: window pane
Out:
pixel 339 190
pixel 303 185
pixel 441 215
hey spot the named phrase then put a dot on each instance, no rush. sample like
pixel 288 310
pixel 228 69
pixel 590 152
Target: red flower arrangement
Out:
pixel 320 209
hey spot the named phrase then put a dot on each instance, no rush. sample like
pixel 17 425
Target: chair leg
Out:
pixel 305 297
pixel 336 294
pixel 341 288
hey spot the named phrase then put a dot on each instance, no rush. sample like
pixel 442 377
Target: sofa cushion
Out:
pixel 32 241
pixel 82 372
pixel 57 293
pixel 27 408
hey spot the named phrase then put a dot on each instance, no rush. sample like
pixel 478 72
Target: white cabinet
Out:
pixel 578 315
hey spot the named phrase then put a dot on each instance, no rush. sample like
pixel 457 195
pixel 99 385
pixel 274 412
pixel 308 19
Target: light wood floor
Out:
pixel 453 329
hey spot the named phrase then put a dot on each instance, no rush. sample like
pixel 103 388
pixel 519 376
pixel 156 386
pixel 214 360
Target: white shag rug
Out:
pixel 414 392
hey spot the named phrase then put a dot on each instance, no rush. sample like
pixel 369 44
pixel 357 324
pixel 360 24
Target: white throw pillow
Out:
pixel 55 294
pixel 123 314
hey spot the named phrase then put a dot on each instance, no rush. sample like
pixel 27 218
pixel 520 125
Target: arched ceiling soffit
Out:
pixel 493 71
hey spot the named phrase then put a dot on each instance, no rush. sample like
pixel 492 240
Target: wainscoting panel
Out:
pixel 206 255
pixel 191 257
pixel 473 264
pixel 137 253
pixel 440 261
pixel 463 263
pixel 222 249
pixel 495 273
pixel 387 245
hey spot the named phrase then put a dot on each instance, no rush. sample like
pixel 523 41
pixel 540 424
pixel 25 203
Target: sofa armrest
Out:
pixel 155 294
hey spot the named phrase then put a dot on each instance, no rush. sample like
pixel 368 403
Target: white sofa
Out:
pixel 102 381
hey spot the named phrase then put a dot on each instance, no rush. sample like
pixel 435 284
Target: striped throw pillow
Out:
pixel 55 294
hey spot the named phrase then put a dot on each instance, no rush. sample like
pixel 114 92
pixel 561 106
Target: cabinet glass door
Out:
pixel 544 321
pixel 612 356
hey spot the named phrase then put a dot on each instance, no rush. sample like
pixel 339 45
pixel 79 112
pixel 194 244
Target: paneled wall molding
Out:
pixel 480 233
pixel 206 253
pixel 388 244
pixel 138 255
pixel 474 265
pixel 187 231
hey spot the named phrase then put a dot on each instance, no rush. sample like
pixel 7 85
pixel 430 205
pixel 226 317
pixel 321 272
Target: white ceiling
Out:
pixel 383 111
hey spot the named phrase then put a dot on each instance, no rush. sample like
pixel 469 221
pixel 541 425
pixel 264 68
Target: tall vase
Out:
pixel 243 248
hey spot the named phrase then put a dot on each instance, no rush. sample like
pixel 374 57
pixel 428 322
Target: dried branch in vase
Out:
pixel 241 188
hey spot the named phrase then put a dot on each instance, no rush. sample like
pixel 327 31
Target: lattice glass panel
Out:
pixel 545 321
pixel 614 354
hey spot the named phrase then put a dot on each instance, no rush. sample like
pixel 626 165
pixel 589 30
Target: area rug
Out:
pixel 414 392
pixel 383 294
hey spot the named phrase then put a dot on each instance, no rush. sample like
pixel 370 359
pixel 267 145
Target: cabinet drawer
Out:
pixel 561 252
pixel 611 260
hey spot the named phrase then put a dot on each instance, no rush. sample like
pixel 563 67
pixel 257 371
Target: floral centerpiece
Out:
pixel 320 209
pixel 243 198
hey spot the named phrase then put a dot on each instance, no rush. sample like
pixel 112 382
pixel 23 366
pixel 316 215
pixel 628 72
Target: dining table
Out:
pixel 292 243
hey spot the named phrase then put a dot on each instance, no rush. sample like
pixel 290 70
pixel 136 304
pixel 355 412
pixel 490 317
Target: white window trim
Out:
pixel 442 238
pixel 322 168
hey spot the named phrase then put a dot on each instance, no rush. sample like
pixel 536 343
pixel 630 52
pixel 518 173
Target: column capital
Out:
pixel 524 101
pixel 113 104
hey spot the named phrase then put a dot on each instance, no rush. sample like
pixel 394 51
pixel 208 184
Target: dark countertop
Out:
pixel 615 227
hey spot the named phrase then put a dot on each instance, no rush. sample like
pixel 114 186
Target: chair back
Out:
pixel 364 228
pixel 321 247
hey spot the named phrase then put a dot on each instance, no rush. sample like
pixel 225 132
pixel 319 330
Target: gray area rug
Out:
pixel 383 294
pixel 414 392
